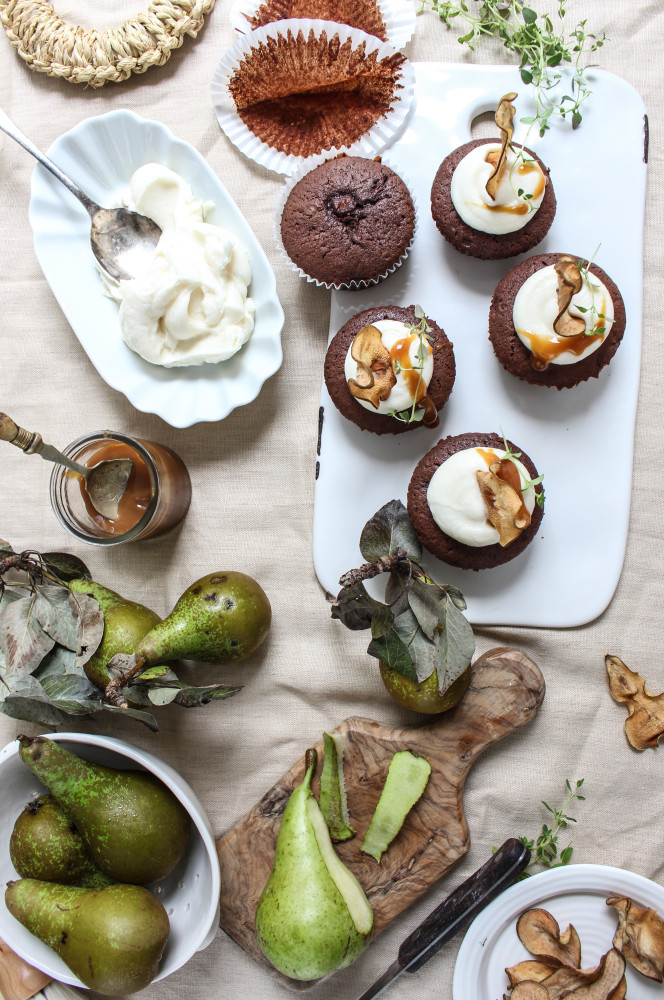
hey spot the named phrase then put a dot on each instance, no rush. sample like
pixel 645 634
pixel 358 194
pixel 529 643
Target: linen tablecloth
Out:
pixel 253 481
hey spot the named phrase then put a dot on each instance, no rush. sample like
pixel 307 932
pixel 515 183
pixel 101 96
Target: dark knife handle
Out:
pixel 462 905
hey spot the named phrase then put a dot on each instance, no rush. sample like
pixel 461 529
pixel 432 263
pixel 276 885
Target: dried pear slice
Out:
pixel 332 797
pixel 539 932
pixel 406 780
pixel 505 121
pixel 645 725
pixel 504 506
pixel 639 937
pixel 528 971
pixel 607 979
pixel 375 377
pixel 528 990
pixel 569 283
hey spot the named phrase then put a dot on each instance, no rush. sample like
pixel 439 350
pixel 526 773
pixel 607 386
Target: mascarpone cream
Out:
pixel 510 211
pixel 535 310
pixel 413 372
pixel 455 500
pixel 189 306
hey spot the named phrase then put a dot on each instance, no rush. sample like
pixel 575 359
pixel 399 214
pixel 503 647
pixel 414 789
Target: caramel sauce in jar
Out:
pixel 156 498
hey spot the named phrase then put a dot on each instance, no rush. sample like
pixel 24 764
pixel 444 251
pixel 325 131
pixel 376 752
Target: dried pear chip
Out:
pixel 569 283
pixel 375 377
pixel 529 970
pixel 504 506
pixel 332 797
pixel 606 979
pixel 639 937
pixel 406 780
pixel 505 121
pixel 645 724
pixel 528 990
pixel 539 932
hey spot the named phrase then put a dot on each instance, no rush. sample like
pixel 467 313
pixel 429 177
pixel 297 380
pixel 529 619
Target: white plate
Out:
pixel 101 154
pixel 574 895
pixel 581 439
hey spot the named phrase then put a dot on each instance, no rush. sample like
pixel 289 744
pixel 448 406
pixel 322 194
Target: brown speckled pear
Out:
pixel 221 618
pixel 132 826
pixel 111 938
pixel 46 845
pixel 125 624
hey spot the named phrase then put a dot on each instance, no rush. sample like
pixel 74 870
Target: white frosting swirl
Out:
pixel 190 305
pixel 413 373
pixel 536 307
pixel 455 500
pixel 510 211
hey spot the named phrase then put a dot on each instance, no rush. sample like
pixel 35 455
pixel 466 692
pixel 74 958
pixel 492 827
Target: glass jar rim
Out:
pixel 59 471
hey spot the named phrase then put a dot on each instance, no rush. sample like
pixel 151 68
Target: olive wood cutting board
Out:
pixel 505 691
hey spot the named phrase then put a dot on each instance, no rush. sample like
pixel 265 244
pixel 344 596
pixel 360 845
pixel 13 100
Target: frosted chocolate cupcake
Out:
pixel 555 320
pixel 473 503
pixel 348 223
pixel 390 369
pixel 493 199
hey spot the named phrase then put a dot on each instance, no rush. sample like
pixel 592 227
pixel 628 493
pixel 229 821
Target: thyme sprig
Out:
pixel 528 484
pixel 544 848
pixel 541 46
pixel 422 330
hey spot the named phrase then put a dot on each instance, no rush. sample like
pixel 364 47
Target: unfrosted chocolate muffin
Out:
pixel 362 14
pixel 439 387
pixel 447 548
pixel 349 222
pixel 487 246
pixel 519 360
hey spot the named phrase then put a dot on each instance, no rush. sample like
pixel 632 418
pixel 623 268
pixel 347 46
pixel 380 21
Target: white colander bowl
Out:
pixel 190 893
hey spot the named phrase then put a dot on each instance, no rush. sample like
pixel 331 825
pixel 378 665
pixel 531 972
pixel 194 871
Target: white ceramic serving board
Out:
pixel 582 439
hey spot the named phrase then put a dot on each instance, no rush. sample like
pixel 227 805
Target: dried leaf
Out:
pixel 5 549
pixel 22 639
pixel 72 694
pixel 54 613
pixel 396 589
pixel 645 724
pixel 390 649
pixel 27 700
pixel 59 661
pixel 569 283
pixel 357 610
pixel 89 626
pixel 425 603
pixel 194 697
pixel 505 121
pixel 66 567
pixel 639 937
pixel 422 651
pixel 389 531
pixel 133 713
pixel 454 646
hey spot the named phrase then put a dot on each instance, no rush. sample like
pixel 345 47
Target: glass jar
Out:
pixel 156 498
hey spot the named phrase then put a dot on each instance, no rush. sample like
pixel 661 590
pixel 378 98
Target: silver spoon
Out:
pixel 105 482
pixel 119 237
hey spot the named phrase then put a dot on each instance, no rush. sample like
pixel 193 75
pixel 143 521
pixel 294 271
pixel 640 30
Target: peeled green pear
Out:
pixel 132 826
pixel 125 624
pixel 111 938
pixel 313 916
pixel 46 845
pixel 221 618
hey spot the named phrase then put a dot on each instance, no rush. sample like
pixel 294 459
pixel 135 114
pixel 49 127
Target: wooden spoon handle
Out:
pixel 18 980
pixel 28 441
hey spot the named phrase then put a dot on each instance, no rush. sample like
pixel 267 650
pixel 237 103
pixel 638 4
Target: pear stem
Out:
pixel 113 690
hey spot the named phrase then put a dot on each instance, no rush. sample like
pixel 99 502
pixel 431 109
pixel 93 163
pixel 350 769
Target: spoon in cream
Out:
pixel 121 240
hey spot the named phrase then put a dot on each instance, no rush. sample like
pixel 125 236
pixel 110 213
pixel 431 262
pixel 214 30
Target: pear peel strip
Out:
pixel 407 777
pixel 332 797
pixel 505 121
pixel 569 283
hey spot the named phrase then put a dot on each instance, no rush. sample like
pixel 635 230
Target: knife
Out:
pixel 455 912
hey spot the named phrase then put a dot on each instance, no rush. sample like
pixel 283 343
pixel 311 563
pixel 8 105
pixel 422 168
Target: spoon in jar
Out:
pixel 105 482
pixel 121 240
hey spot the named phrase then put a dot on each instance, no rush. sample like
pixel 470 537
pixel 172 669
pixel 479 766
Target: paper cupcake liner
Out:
pixel 385 131
pixel 288 186
pixel 398 16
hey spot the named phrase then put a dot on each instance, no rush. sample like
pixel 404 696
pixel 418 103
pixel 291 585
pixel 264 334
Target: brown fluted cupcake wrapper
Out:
pixel 362 88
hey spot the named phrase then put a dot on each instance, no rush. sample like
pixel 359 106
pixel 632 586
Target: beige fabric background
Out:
pixel 253 478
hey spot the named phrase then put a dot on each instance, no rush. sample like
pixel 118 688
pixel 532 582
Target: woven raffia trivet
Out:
pixel 49 45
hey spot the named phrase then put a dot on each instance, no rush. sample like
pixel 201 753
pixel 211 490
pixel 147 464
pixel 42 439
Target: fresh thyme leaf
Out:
pixel 539 47
pixel 544 848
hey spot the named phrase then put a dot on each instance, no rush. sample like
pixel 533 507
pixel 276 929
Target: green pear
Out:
pixel 111 938
pixel 132 826
pixel 45 845
pixel 313 916
pixel 125 624
pixel 424 696
pixel 221 618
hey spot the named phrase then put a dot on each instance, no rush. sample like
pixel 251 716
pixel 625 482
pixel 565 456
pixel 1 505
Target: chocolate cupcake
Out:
pixel 348 223
pixel 363 14
pixel 389 369
pixel 474 505
pixel 555 320
pixel 461 208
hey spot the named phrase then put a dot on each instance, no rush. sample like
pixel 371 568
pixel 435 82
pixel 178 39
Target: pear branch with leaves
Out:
pixel 420 629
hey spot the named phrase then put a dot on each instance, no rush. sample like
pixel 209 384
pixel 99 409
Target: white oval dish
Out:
pixel 574 895
pixel 101 154
pixel 190 893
